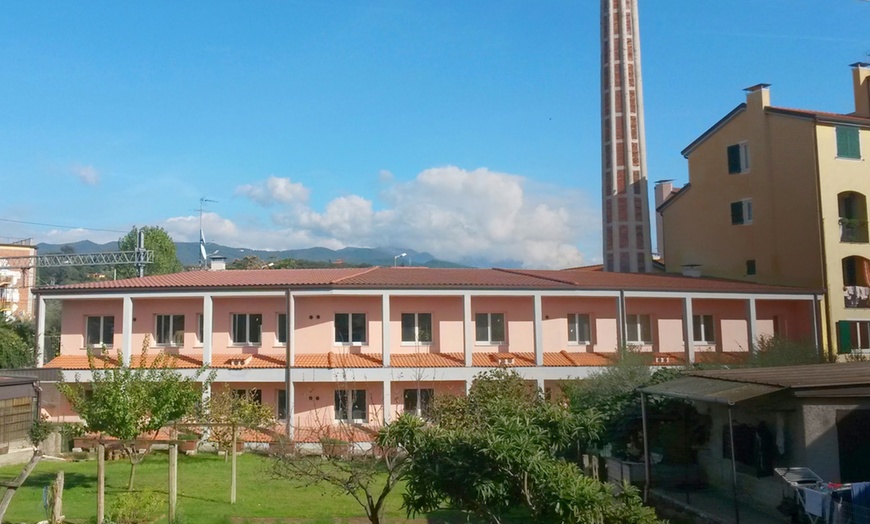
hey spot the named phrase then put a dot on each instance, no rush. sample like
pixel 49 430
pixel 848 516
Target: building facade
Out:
pixel 16 282
pixel 367 344
pixel 779 195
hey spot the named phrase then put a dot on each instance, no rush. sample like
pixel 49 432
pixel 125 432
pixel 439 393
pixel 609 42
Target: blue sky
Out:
pixel 466 129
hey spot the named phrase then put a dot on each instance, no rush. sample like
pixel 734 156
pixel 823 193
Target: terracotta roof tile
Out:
pixel 247 361
pixel 423 278
pixel 80 362
pixel 334 360
pixel 427 360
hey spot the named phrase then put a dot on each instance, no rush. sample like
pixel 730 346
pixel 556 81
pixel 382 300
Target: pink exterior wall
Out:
pixel 73 321
pixel 315 322
pixel 315 402
pixel 447 329
pixel 602 320
pixel 145 313
pixel 519 324
pixel 225 307
pixel 729 317
pixel 441 387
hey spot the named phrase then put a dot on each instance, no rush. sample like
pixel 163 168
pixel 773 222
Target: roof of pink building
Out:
pixel 422 278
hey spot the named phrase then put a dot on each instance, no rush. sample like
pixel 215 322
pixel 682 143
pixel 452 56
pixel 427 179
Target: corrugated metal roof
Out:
pixel 798 377
pixel 710 390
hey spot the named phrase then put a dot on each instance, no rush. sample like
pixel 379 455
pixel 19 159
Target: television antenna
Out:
pixel 203 256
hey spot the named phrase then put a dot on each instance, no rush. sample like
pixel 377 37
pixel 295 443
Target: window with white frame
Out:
pixel 419 401
pixel 350 328
pixel 489 328
pixel 247 328
pixel 169 330
pixel 741 212
pixel 351 402
pixel 416 328
pixel 200 322
pixel 281 332
pixel 282 404
pixel 853 335
pixel 99 331
pixel 638 329
pixel 704 329
pixel 578 329
pixel 738 158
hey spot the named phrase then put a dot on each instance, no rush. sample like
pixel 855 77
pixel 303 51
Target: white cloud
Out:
pixel 87 174
pixel 275 190
pixel 453 213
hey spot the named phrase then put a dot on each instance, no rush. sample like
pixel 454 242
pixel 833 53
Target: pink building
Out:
pixel 367 344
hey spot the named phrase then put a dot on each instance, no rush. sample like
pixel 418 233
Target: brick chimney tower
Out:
pixel 626 231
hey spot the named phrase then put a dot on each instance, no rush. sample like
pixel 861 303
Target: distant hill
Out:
pixel 188 254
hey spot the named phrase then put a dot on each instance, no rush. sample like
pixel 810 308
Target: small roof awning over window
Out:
pixel 710 390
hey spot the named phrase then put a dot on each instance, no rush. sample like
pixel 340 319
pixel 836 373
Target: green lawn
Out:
pixel 203 491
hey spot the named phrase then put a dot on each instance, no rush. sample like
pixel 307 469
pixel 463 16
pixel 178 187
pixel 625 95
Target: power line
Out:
pixel 61 226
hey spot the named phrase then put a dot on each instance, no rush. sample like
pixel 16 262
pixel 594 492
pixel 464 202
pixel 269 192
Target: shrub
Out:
pixel 136 508
pixel 780 351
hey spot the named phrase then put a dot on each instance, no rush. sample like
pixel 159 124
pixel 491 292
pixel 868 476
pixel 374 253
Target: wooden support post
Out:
pixel 233 483
pixel 57 500
pixel 101 482
pixel 173 480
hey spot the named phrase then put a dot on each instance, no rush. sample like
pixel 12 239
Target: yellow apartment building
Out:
pixel 779 196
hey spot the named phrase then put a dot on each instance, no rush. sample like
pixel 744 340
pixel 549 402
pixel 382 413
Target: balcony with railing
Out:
pixel 853 217
pixel 856 282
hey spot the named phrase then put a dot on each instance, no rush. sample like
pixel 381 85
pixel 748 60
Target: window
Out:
pixel 738 158
pixel 247 328
pixel 853 335
pixel 848 144
pixel 251 394
pixel 200 322
pixel 358 411
pixel 282 404
pixel 750 267
pixel 704 329
pixel 350 328
pixel 417 327
pixel 100 331
pixel 489 328
pixel 282 328
pixel 638 330
pixel 419 401
pixel 169 330
pixel 578 329
pixel 741 212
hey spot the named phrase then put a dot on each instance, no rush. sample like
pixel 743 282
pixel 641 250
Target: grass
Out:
pixel 203 492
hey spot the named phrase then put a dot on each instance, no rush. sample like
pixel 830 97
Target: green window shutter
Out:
pixel 734 159
pixel 736 213
pixel 848 144
pixel 844 337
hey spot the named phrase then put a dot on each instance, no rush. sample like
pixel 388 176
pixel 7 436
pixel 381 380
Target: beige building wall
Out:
pixel 15 282
pixel 795 181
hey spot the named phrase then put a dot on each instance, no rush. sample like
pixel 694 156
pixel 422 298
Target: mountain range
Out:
pixel 188 254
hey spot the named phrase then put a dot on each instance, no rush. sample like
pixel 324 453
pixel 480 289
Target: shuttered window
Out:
pixel 848 145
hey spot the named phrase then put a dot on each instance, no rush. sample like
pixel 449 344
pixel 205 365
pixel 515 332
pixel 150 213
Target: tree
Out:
pixel 16 343
pixel 129 402
pixel 228 413
pixel 39 430
pixel 367 473
pixel 157 240
pixel 499 451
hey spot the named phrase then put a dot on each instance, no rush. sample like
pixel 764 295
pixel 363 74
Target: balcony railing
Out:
pixel 853 230
pixel 856 296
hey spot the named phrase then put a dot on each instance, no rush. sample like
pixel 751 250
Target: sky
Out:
pixel 470 130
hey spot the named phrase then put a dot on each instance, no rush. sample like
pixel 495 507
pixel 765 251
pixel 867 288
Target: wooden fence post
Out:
pixel 173 480
pixel 101 482
pixel 57 500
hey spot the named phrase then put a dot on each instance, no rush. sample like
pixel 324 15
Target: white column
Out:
pixel 539 331
pixel 385 329
pixel 620 321
pixel 468 382
pixel 468 329
pixel 751 324
pixel 127 331
pixel 689 330
pixel 207 329
pixel 388 402
pixel 291 329
pixel 541 385
pixel 40 331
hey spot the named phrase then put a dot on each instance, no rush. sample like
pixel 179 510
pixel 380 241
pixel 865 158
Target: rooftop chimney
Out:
pixel 758 96
pixel 217 263
pixel 861 81
pixel 691 270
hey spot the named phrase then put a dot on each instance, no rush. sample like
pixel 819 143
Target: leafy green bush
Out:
pixel 779 351
pixel 136 508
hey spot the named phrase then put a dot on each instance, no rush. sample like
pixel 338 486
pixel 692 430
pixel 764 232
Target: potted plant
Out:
pixel 332 447
pixel 188 441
